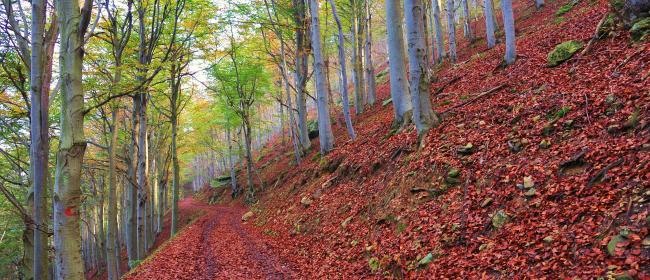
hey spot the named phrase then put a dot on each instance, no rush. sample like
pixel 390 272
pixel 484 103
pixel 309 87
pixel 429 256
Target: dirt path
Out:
pixel 216 246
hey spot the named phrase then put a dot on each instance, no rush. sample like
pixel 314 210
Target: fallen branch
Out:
pixel 601 174
pixel 630 57
pixel 440 89
pixel 474 99
pixel 595 37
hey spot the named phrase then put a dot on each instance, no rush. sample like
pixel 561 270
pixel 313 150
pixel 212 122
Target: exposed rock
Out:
pixel 306 201
pixel 528 182
pixel 468 149
pixel 346 221
pixel 499 219
pixel 563 52
pixel 640 30
pixel 426 260
pixel 545 144
pixel 453 173
pixel 247 216
pixel 612 244
pixel 530 193
pixel 486 202
pixel 548 239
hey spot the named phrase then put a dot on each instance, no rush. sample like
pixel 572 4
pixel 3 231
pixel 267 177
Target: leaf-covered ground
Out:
pixel 554 183
pixel 215 246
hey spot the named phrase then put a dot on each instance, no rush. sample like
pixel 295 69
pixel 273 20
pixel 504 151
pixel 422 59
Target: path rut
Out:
pixel 215 246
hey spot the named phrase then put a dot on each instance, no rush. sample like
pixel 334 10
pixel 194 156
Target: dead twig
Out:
pixel 474 99
pixel 627 59
pixel 441 88
pixel 601 174
pixel 595 37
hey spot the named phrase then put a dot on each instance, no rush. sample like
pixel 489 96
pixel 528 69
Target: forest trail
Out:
pixel 215 246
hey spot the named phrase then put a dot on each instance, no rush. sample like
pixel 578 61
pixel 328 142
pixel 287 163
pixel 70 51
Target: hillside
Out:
pixel 380 203
pixel 535 172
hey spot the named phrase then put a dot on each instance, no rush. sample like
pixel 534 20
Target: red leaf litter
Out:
pixel 380 204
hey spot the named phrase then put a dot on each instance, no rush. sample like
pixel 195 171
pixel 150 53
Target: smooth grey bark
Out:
pixel 399 87
pixel 423 115
pixel 466 20
pixel 370 69
pixel 539 3
pixel 451 30
pixel 42 47
pixel 131 195
pixel 344 76
pixel 72 23
pixel 488 10
pixel 509 28
pixel 357 57
pixel 112 262
pixel 325 134
pixel 301 71
pixel 440 41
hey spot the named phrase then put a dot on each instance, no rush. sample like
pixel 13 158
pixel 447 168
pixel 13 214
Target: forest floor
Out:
pixel 544 177
pixel 215 246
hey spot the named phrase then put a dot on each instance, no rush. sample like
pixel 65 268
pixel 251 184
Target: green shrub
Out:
pixel 566 8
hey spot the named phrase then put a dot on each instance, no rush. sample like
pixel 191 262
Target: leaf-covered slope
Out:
pixel 579 133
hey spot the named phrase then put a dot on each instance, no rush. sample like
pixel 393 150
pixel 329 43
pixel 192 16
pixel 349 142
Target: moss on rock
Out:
pixel 640 30
pixel 563 52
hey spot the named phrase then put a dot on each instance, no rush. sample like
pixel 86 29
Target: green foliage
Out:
pixel 563 52
pixel 640 30
pixel 566 8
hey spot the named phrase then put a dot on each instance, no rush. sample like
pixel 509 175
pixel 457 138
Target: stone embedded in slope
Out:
pixel 563 52
pixel 247 216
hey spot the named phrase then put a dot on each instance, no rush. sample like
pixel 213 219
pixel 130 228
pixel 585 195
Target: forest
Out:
pixel 325 139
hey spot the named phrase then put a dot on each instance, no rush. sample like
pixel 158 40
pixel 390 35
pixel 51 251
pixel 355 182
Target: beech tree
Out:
pixel 509 27
pixel 370 69
pixel 399 87
pixel 324 123
pixel 344 76
pixel 423 115
pixel 440 43
pixel 73 23
pixel 488 12
pixel 451 30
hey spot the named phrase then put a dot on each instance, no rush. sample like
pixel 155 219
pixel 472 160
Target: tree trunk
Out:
pixel 399 88
pixel 451 31
pixel 423 115
pixel 231 164
pixel 467 20
pixel 72 145
pixel 489 23
pixel 370 70
pixel 112 262
pixel 539 3
pixel 509 27
pixel 344 76
pixel 357 57
pixel 175 170
pixel 440 43
pixel 301 72
pixel 131 196
pixel 324 123
pixel 40 78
